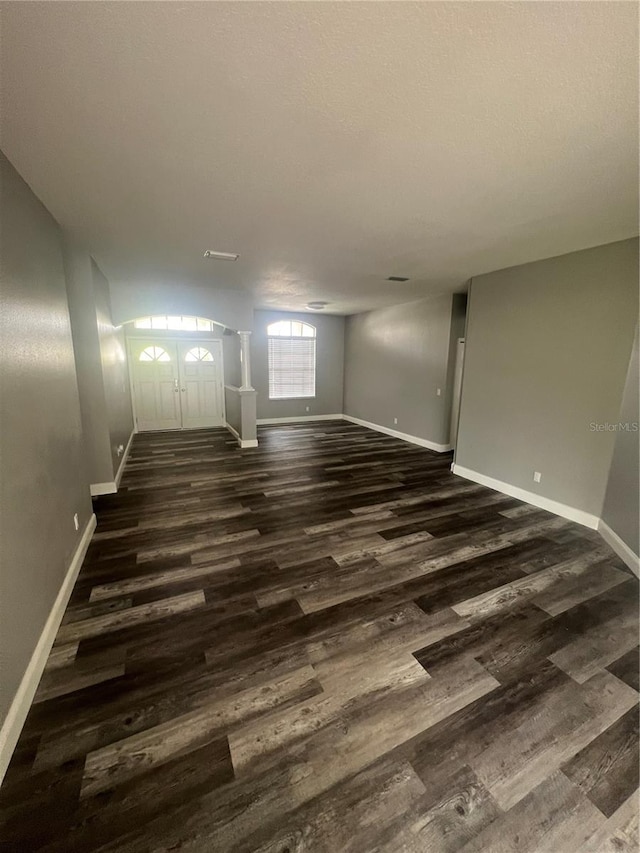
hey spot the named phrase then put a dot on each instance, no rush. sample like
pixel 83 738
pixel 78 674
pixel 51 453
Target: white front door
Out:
pixel 156 384
pixel 177 384
pixel 200 383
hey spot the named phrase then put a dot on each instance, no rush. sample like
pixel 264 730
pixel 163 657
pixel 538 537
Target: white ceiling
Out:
pixel 331 144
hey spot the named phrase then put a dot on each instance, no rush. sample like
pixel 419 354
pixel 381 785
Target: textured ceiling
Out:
pixel 331 144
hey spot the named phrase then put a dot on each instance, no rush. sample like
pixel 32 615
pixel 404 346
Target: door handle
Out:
pixel 175 385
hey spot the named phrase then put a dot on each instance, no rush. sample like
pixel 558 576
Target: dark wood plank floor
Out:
pixel 331 643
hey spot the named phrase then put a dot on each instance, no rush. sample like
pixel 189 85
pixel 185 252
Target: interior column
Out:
pixel 245 361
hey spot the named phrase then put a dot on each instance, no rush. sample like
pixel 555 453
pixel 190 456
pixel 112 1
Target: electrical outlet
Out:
pixel 306 408
pixel 439 391
pixel 76 523
pixel 537 476
pixel 395 420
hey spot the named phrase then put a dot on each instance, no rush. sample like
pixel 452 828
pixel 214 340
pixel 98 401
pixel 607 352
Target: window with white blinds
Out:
pixel 292 360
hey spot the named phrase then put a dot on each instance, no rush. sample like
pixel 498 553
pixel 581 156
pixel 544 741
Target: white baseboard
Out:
pixel 620 547
pixel 412 439
pixel 233 432
pixel 563 510
pixel 112 487
pixel 15 719
pixel 265 421
pixel 243 443
pixel 103 489
pixel 123 461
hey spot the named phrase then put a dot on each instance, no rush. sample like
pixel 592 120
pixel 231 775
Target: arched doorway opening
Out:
pixel 176 371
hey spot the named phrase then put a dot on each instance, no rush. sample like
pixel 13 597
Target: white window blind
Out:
pixel 292 367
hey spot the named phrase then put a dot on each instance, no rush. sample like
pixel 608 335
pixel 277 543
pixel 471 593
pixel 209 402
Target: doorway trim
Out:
pixel 175 339
pixel 456 392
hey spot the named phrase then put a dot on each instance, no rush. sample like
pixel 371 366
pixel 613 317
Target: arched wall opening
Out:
pixel 189 372
pixel 176 371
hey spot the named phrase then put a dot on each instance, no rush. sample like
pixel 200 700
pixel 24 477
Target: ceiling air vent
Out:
pixel 397 278
pixel 221 256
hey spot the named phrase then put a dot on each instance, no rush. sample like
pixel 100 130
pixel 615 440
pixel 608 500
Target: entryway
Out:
pixel 176 384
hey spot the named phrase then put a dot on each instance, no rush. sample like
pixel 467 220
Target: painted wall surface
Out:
pixel 115 374
pixel 457 330
pixel 248 405
pixel 547 350
pixel 329 366
pixel 621 510
pixel 43 480
pixel 231 359
pixel 233 410
pixel 141 299
pixel 395 360
pixel 88 361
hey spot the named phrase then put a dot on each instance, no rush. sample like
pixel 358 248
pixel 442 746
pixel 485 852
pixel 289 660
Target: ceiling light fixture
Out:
pixel 397 278
pixel 317 306
pixel 221 256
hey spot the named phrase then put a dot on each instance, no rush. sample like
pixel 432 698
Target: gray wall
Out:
pixel 101 365
pixel 134 299
pixel 233 409
pixel 458 324
pixel 329 366
pixel 88 361
pixel 42 475
pixel 248 405
pixel 621 510
pixel 395 360
pixel 115 374
pixel 240 409
pixel 231 359
pixel 547 349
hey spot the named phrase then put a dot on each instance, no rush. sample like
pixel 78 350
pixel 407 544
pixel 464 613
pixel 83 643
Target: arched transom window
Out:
pixel 175 323
pixel 292 359
pixel 198 354
pixel 291 329
pixel 154 354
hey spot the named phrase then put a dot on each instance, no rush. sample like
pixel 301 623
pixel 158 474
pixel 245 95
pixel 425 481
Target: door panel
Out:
pixel 146 400
pixel 155 372
pixel 201 383
pixel 167 393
